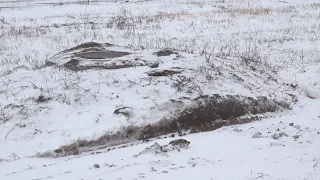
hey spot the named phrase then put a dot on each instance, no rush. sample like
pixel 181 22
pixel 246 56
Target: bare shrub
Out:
pixel 164 72
pixel 122 20
pixel 254 11
pixel 249 11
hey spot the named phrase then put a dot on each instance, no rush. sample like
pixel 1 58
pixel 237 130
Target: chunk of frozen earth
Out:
pixel 257 135
pixel 154 149
pixel 276 144
pixel 275 136
pixel 157 149
pixel 237 129
pixel 295 137
pixel 182 143
pixel 297 126
pixel 282 134
pixel 279 135
pixel 312 93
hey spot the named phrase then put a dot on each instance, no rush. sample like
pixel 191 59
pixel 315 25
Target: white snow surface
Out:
pixel 283 35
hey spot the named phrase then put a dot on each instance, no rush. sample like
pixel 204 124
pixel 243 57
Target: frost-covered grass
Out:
pixel 271 45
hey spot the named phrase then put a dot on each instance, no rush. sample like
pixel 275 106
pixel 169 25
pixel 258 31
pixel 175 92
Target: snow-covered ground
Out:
pixel 247 47
pixel 222 154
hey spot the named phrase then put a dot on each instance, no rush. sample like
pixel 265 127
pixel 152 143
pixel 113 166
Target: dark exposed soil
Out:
pixel 163 72
pixel 165 52
pixel 84 46
pixel 102 54
pixel 96 57
pixel 125 111
pixel 208 113
pixel 42 99
pixel 74 65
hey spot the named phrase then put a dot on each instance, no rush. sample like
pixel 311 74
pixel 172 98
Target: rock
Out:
pixel 312 93
pixel 14 156
pixel 295 137
pixel 42 99
pixel 165 52
pixel 282 134
pixel 157 149
pixel 125 111
pixel 154 149
pixel 153 169
pixel 294 85
pixel 276 144
pixel 279 135
pixel 236 129
pixel 291 124
pixel 257 135
pixel 96 166
pixel 182 143
pixel 275 136
pixel 297 126
pixel 154 65
pixel 56 25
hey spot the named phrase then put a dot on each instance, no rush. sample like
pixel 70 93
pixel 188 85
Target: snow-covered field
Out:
pixel 250 48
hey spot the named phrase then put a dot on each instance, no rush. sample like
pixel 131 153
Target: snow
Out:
pixel 283 35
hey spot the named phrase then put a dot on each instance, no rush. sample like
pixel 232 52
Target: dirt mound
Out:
pixel 165 72
pixel 83 47
pixel 102 54
pixel 210 113
pixel 94 55
pixel 205 114
pixel 165 52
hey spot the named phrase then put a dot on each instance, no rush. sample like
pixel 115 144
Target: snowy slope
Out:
pixel 222 154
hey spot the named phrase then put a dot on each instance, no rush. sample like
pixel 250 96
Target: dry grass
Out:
pixel 315 5
pixel 124 19
pixel 249 11
pixel 287 9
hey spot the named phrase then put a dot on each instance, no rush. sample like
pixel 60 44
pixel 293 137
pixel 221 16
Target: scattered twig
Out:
pixel 10 132
pixel 49 132
pixel 96 120
pixel 261 175
pixel 316 162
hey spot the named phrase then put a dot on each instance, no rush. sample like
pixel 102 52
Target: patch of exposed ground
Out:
pixel 165 52
pixel 102 54
pixel 164 72
pixel 92 55
pixel 206 113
